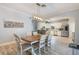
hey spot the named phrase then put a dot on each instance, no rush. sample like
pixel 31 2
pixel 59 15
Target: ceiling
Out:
pixel 49 11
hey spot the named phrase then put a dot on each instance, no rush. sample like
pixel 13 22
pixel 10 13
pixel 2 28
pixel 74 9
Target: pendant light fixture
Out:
pixel 39 6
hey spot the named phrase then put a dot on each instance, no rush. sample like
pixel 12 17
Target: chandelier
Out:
pixel 39 6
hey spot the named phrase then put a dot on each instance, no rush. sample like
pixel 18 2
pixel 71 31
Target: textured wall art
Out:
pixel 12 24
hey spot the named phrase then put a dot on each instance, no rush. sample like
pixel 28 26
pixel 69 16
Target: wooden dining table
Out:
pixel 31 38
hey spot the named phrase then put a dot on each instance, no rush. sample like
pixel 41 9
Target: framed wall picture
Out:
pixel 12 24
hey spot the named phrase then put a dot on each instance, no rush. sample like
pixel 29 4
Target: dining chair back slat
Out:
pixel 49 40
pixel 21 47
pixel 35 33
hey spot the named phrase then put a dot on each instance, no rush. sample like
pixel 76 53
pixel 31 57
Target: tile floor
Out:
pixel 59 46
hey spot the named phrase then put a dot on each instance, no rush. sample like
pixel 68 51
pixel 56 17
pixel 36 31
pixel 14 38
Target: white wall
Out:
pixel 77 29
pixel 71 26
pixel 6 34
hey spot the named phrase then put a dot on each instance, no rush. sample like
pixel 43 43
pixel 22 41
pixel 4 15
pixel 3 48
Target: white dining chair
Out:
pixel 35 33
pixel 40 46
pixel 49 40
pixel 29 33
pixel 21 47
